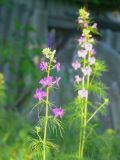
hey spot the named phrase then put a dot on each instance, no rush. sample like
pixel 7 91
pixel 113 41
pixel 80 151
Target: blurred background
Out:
pixel 27 26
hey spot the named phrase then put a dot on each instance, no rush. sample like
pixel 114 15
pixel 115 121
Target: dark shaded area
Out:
pixel 96 5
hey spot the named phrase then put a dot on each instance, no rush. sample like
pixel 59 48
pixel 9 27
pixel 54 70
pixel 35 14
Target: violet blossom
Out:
pixel 82 53
pixel 57 66
pixel 57 81
pixel 85 24
pixel 86 70
pixel 78 79
pixel 39 94
pixel 83 93
pixel 91 60
pixel 88 46
pixel 94 25
pixel 43 66
pixel 80 20
pixel 93 52
pixel 81 40
pixel 76 65
pixel 58 112
pixel 46 81
pixel 51 39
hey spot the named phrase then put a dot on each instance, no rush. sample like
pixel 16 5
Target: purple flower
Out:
pixel 82 53
pixel 78 79
pixel 80 20
pixel 86 70
pixel 76 65
pixel 57 66
pixel 39 94
pixel 93 52
pixel 91 60
pixel 43 66
pixel 57 81
pixel 88 46
pixel 94 25
pixel 47 81
pixel 85 24
pixel 81 40
pixel 51 39
pixel 58 112
pixel 83 93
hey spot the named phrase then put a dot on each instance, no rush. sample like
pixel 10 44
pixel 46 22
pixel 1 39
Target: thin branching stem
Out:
pixel 82 122
pixel 99 108
pixel 46 115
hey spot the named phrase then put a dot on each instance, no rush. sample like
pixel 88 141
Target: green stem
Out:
pixel 46 115
pixel 83 121
pixel 81 128
pixel 80 153
pixel 99 108
pixel 45 127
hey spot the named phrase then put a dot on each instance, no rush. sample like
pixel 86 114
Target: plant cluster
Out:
pixel 87 83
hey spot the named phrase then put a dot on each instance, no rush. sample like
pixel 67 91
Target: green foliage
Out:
pixel 55 125
pixel 16 141
pixel 22 70
pixel 99 68
pixel 2 90
pixel 14 136
pixel 104 146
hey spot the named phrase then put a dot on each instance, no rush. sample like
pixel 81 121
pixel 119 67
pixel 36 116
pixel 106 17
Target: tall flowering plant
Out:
pixel 50 119
pixel 87 80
